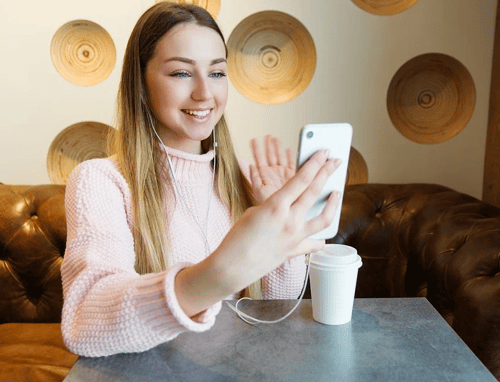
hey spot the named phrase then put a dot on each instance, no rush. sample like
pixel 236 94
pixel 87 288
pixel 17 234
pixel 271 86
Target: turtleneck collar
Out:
pixel 188 167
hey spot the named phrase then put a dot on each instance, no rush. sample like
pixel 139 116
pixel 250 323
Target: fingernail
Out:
pixel 327 153
pixel 338 162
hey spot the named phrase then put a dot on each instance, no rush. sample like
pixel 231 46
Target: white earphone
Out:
pixel 245 317
pixel 177 191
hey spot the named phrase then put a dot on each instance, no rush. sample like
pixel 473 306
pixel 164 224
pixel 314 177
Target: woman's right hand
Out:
pixel 269 234
pixel 263 238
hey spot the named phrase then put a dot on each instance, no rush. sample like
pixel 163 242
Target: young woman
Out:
pixel 172 223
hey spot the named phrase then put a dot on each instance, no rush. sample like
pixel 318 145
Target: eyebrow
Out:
pixel 188 61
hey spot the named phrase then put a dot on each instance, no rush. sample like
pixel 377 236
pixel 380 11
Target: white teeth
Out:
pixel 198 113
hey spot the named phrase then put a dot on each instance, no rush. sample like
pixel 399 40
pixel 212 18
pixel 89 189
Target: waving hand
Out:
pixel 272 169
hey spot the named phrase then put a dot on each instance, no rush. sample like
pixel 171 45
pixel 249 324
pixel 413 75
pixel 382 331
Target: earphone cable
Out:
pixel 245 317
pixel 177 191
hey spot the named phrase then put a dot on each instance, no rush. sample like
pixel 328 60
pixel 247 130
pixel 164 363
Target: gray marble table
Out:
pixel 393 339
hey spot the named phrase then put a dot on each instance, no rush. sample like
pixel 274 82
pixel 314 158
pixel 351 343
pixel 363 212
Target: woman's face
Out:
pixel 186 76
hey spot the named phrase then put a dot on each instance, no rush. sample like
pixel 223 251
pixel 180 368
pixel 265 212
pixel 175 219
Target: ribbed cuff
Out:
pixel 205 320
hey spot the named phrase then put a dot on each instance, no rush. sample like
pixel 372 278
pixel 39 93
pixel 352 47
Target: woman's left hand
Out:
pixel 272 170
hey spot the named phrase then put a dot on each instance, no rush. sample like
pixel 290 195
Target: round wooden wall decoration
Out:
pixel 384 7
pixel 212 6
pixel 83 52
pixel 272 57
pixel 431 98
pixel 357 171
pixel 75 144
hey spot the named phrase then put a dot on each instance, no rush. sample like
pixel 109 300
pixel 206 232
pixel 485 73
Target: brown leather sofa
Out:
pixel 415 239
pixel 32 243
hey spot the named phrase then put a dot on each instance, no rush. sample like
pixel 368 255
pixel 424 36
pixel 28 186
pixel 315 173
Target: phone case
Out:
pixel 337 137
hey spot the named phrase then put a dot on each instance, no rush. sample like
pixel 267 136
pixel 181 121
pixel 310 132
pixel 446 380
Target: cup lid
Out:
pixel 335 255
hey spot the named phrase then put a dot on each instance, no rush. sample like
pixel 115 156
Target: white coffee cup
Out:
pixel 333 274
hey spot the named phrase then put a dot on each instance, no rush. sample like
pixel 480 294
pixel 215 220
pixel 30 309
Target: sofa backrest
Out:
pixel 376 220
pixel 32 243
pixel 430 241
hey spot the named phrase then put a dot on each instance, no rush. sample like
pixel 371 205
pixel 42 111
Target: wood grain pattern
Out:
pixel 83 52
pixel 272 57
pixel 491 177
pixel 384 7
pixel 431 98
pixel 212 6
pixel 75 144
pixel 357 172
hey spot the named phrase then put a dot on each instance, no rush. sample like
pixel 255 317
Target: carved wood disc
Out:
pixel 83 52
pixel 384 7
pixel 431 98
pixel 212 6
pixel 272 57
pixel 357 171
pixel 75 144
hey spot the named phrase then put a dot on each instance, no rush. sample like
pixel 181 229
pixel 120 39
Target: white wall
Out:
pixel 357 56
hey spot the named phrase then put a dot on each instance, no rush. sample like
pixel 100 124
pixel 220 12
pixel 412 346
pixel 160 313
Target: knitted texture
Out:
pixel 108 307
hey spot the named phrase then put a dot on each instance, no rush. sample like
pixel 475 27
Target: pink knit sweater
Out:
pixel 108 307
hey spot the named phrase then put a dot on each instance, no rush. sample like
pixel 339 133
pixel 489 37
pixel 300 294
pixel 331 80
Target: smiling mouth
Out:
pixel 198 114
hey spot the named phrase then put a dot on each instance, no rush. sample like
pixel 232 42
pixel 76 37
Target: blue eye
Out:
pixel 179 74
pixel 186 74
pixel 220 74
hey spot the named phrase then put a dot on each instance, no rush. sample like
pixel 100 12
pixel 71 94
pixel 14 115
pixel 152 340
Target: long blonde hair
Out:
pixel 138 153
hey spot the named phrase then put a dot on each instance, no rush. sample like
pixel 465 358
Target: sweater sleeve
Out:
pixel 287 280
pixel 108 307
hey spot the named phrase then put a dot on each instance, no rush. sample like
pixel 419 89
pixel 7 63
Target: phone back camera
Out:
pixel 309 134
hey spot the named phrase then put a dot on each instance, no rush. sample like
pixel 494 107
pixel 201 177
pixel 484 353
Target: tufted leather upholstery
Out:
pixel 32 243
pixel 415 240
pixel 430 241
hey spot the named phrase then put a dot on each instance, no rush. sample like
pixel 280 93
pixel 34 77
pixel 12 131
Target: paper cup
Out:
pixel 333 274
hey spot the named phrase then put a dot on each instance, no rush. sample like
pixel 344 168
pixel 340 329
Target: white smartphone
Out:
pixel 336 137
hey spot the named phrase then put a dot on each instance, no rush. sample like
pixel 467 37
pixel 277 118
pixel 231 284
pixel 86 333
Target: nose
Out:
pixel 202 89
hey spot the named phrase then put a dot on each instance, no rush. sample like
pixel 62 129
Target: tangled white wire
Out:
pixel 245 316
